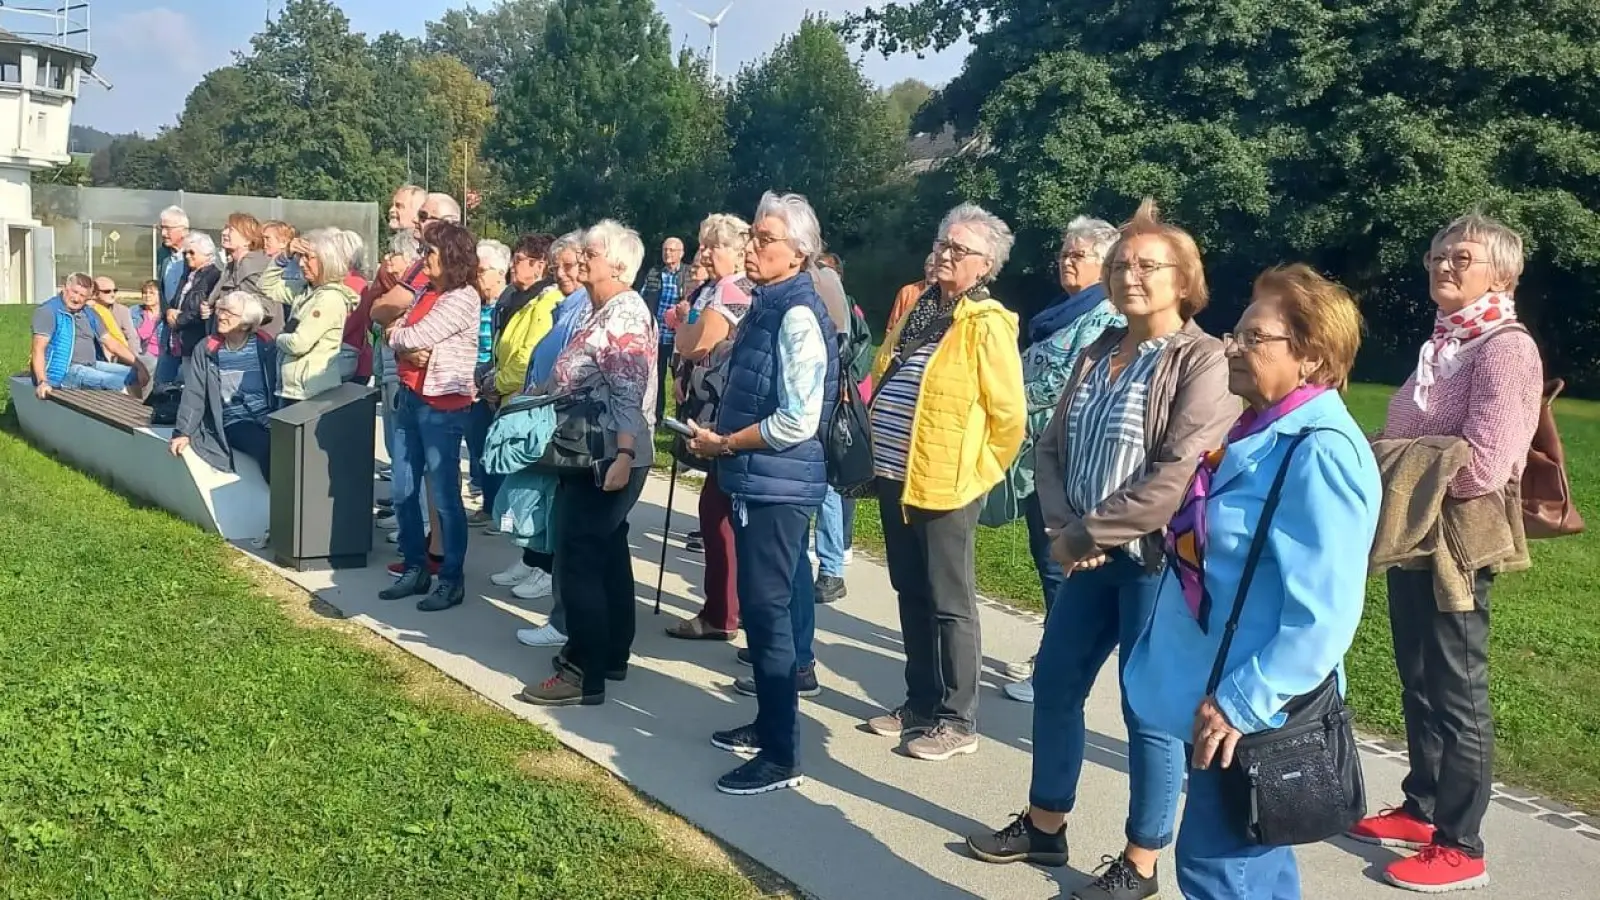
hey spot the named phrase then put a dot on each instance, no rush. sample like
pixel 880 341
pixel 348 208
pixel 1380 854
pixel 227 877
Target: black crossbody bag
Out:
pixel 1301 782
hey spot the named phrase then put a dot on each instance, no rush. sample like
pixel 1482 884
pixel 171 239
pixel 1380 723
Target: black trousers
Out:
pixel 594 574
pixel 1443 659
pixel 931 559
pixel 253 440
pixel 663 369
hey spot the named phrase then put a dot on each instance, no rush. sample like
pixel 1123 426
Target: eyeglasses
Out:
pixel 761 241
pixel 1143 269
pixel 1248 341
pixel 956 251
pixel 422 216
pixel 1455 261
pixel 101 290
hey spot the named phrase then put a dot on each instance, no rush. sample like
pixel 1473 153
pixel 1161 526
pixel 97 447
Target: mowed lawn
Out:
pixel 168 729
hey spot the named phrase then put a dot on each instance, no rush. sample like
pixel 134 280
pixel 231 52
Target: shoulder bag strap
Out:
pixel 1258 545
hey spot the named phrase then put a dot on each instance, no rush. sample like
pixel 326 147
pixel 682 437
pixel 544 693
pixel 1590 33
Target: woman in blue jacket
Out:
pixel 1289 357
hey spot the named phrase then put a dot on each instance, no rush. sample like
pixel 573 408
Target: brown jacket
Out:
pixel 1189 414
pixel 1423 527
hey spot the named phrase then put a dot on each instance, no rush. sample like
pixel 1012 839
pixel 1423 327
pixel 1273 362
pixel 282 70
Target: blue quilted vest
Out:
pixel 58 352
pixel 798 475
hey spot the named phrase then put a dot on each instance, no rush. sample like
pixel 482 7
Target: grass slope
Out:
pixel 167 731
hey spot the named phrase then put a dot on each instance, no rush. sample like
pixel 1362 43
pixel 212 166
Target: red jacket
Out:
pixel 358 326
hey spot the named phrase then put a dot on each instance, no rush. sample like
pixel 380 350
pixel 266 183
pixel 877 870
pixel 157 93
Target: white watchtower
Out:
pixel 44 59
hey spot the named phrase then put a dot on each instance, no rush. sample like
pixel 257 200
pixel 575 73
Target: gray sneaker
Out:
pixel 898 722
pixel 941 742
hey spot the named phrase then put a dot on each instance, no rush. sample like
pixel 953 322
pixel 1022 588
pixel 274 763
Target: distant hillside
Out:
pixel 83 139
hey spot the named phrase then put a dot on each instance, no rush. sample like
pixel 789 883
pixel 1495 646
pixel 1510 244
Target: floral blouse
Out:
pixel 612 356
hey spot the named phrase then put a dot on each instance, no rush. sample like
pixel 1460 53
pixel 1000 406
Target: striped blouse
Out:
pixel 893 408
pixel 1106 430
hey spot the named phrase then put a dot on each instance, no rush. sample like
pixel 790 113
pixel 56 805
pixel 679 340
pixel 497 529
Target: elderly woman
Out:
pixel 309 345
pixel 147 322
pixel 436 343
pixel 231 389
pixel 1288 358
pixel 612 360
pixel 713 317
pixel 189 321
pixel 1479 378
pixel 356 353
pixel 524 313
pixel 782 369
pixel 1057 336
pixel 1144 402
pixel 494 263
pixel 245 261
pixel 947 419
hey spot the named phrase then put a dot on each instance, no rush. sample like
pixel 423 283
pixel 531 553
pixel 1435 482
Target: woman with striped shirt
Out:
pixel 1143 403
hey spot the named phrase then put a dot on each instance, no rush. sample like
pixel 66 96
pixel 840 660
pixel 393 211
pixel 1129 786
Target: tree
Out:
pixel 904 99
pixel 200 153
pixel 73 174
pixel 136 163
pixel 806 119
pixel 491 43
pixel 1342 134
pixel 600 122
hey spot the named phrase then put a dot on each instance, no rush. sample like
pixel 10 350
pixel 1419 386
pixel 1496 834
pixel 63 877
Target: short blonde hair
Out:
pixel 1506 253
pixel 620 245
pixel 1146 222
pixel 724 230
pixel 1324 322
pixel 282 229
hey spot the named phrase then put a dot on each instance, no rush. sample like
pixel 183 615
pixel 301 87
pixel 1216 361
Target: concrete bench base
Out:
pixel 135 461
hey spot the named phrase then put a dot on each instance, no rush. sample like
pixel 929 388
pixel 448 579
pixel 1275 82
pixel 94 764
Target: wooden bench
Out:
pixel 108 434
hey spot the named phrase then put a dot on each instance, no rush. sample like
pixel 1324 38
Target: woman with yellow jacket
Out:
pixel 947 419
pixel 524 314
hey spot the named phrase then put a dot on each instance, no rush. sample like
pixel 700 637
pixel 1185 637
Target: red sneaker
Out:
pixel 399 568
pixel 1393 828
pixel 1437 870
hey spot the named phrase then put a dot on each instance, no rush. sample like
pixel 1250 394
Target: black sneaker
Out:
pixel 1021 842
pixel 759 776
pixel 743 739
pixel 744 657
pixel 411 583
pixel 1118 880
pixel 446 595
pixel 694 542
pixel 562 665
pixel 830 589
pixel 805 681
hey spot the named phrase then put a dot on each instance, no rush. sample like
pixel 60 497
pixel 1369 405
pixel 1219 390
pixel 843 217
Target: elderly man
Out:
pixel 71 347
pixel 171 270
pixel 404 207
pixel 105 298
pixel 663 288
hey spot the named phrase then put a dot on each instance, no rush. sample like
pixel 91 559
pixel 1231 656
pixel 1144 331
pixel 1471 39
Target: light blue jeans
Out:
pixel 1215 862
pixel 836 525
pixel 429 440
pixel 102 376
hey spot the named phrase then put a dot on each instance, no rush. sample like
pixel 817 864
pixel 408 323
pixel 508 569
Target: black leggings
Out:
pixel 544 562
pixel 253 440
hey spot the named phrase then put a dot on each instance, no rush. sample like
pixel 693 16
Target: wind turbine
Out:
pixel 712 22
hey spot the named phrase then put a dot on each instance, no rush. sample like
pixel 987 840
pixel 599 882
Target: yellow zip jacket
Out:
pixel 513 350
pixel 971 413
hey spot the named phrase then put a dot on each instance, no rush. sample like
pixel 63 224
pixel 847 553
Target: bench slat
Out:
pixel 112 408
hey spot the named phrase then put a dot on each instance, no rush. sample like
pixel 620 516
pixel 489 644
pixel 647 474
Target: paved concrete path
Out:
pixel 868 824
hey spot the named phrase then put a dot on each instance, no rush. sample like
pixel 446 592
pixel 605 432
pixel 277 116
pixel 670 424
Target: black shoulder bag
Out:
pixel 1301 782
pixel 579 440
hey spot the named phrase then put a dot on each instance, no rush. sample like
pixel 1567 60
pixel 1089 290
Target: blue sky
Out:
pixel 155 53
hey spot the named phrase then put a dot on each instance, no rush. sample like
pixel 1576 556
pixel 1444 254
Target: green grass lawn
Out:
pixel 172 727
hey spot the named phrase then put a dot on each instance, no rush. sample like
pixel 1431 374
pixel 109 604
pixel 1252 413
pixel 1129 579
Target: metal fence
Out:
pixel 112 232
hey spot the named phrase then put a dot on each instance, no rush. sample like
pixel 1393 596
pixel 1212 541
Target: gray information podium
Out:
pixel 321 502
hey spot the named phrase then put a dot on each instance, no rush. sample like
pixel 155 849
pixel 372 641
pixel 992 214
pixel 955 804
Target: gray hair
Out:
pixel 81 280
pixel 795 212
pixel 1099 234
pixel 246 305
pixel 357 248
pixel 444 207
pixel 724 230
pixel 411 191
pixel 996 233
pixel 621 246
pixel 572 240
pixel 494 256
pixel 332 253
pixel 1506 253
pixel 201 244
pixel 173 216
pixel 407 244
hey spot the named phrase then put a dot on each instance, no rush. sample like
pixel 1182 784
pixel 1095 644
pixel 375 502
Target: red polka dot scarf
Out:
pixel 1441 355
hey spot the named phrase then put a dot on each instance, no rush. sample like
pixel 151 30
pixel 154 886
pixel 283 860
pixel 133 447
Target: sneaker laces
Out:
pixel 1017 828
pixel 1115 873
pixel 1434 854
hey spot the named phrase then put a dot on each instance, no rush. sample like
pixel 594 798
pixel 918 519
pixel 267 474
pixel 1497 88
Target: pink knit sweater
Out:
pixel 1492 401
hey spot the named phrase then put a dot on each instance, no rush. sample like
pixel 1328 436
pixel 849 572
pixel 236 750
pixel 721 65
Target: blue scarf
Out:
pixel 1063 312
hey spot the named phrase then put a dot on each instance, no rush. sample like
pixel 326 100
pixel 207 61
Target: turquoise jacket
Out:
pixel 1306 597
pixel 58 352
pixel 516 441
pixel 1047 366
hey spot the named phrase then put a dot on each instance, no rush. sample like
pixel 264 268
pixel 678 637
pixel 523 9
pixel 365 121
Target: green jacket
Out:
pixel 308 347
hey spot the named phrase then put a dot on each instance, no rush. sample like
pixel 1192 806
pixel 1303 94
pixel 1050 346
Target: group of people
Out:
pixel 1197 501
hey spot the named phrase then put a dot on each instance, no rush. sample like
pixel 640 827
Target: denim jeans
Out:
pixel 167 366
pixel 1050 574
pixel 1215 862
pixel 836 523
pixel 1097 610
pixel 429 439
pixel 803 602
pixel 101 376
pixel 767 537
pixel 481 417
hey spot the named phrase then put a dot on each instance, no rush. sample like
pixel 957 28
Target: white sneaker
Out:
pixel 849 555
pixel 512 576
pixel 1020 691
pixel 1019 671
pixel 387 523
pixel 534 586
pixel 543 636
pixel 393 537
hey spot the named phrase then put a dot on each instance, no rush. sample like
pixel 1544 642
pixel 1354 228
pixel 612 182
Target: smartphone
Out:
pixel 600 466
pixel 676 427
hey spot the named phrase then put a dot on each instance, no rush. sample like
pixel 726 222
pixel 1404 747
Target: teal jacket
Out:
pixel 526 500
pixel 58 353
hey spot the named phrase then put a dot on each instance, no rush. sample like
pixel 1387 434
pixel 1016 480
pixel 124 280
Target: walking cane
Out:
pixel 666 529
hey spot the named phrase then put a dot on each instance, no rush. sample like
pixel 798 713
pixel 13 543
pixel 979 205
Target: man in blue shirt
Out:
pixel 664 286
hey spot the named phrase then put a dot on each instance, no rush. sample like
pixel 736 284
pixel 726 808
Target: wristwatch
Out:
pixel 627 450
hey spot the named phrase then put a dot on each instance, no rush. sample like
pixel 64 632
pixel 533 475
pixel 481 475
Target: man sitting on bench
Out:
pixel 72 351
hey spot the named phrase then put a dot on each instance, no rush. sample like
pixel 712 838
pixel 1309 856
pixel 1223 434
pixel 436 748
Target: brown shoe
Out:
pixel 898 722
pixel 941 742
pixel 696 629
pixel 560 690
